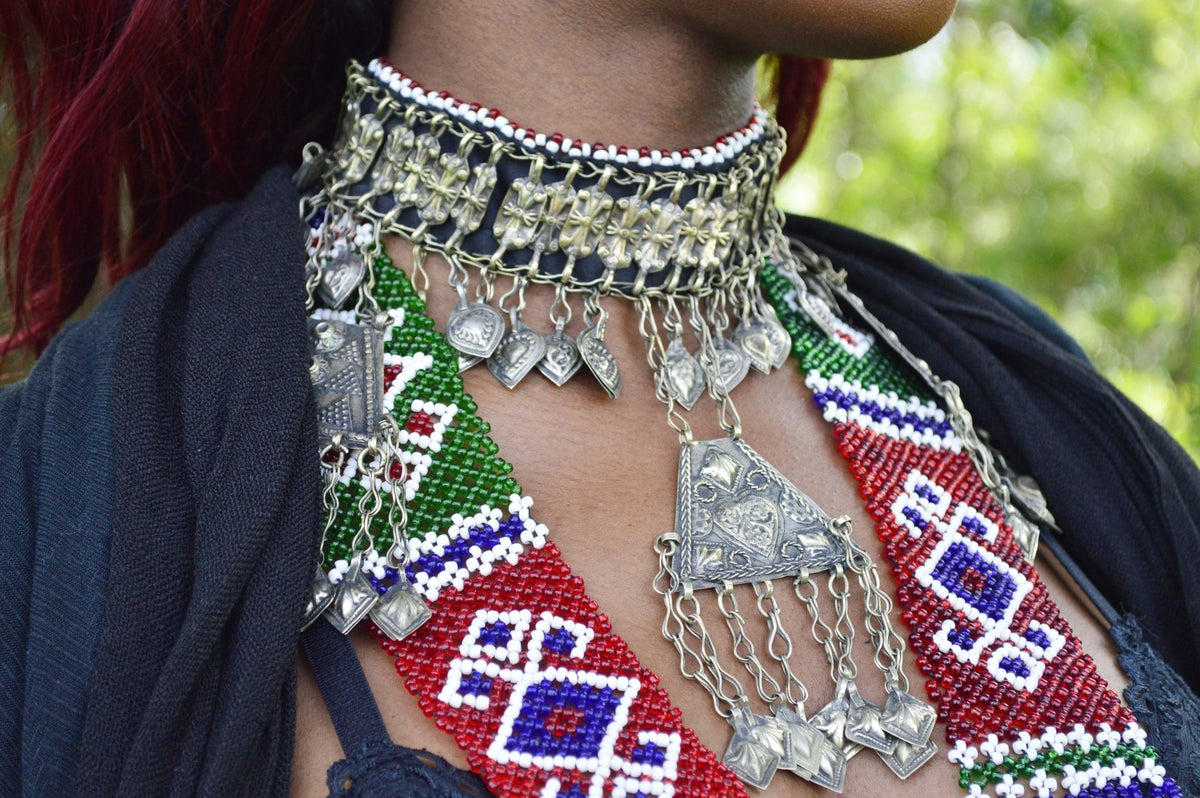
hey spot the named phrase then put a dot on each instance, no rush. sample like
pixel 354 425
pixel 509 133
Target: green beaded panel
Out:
pixel 878 367
pixel 467 472
pixel 1050 761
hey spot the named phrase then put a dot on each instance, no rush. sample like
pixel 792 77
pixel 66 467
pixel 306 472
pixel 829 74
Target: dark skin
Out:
pixel 603 471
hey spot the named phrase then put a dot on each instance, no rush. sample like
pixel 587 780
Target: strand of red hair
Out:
pixel 132 115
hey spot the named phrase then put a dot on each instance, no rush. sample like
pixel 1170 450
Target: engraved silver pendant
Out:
pixel 832 719
pixel 740 520
pixel 908 718
pixel 599 360
pixel 475 329
pixel 907 758
pixel 831 772
pixel 732 364
pixel 519 351
pixel 805 744
pixel 339 277
pixel 319 599
pixel 401 610
pixel 863 723
pixel 683 374
pixel 347 376
pixel 747 756
pixel 765 341
pixel 353 599
pixel 562 358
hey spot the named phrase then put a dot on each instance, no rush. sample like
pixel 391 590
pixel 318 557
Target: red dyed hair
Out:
pixel 132 115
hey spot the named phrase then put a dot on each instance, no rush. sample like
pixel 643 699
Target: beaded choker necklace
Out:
pixel 429 537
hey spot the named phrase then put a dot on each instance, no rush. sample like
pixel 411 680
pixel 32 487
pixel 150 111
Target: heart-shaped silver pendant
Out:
pixel 599 360
pixel 339 277
pixel 519 351
pixel 755 342
pixel 475 329
pixel 683 374
pixel 732 363
pixel 562 358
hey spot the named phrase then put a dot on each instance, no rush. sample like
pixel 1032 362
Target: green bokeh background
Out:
pixel 1053 145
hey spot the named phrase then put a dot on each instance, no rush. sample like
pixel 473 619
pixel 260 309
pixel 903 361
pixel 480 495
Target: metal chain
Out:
pixel 779 643
pixel 706 669
pixel 888 646
pixel 743 647
pixel 656 357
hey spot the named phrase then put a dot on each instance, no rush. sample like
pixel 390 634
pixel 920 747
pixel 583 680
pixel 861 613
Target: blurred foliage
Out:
pixel 1053 145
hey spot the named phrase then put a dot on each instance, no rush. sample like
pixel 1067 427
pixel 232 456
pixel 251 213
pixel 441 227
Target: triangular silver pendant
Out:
pixel 740 520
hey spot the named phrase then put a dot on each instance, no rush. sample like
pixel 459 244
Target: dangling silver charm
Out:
pixel 401 610
pixel 863 724
pixel 319 599
pixel 764 340
pixel 906 758
pixel 340 276
pixel 595 353
pixel 907 718
pixel 475 329
pixel 562 358
pixel 353 599
pixel 519 351
pixel 748 755
pixel 832 721
pixel 732 364
pixel 599 360
pixel 805 744
pixel 683 375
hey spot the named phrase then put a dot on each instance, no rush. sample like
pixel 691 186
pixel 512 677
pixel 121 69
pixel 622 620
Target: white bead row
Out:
pixel 925 410
pixel 715 154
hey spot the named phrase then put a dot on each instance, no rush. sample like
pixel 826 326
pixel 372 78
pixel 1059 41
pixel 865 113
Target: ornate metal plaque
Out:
pixel 519 351
pixel 599 360
pixel 319 599
pixel 683 374
pixel 353 598
pixel 562 358
pixel 740 520
pixel 475 329
pixel 907 758
pixel 347 376
pixel 863 723
pixel 401 610
pixel 908 718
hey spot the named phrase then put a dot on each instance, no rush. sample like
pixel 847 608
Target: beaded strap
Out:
pixel 1021 701
pixel 517 663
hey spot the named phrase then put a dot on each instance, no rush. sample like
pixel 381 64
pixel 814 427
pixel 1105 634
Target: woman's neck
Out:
pixel 616 74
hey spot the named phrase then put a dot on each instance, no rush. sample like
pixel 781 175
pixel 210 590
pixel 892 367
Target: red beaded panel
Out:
pixel 526 674
pixel 999 656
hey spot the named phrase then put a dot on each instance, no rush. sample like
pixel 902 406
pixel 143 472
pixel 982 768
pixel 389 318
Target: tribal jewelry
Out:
pixel 684 236
pixel 489 628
